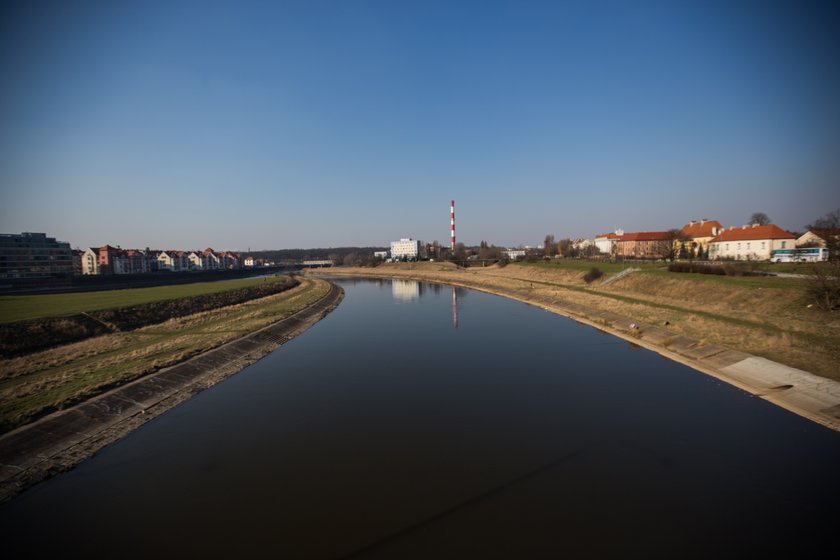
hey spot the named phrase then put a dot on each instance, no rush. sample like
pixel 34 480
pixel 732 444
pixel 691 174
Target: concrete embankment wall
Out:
pixel 63 439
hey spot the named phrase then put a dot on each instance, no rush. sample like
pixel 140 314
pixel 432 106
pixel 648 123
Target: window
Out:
pixel 748 246
pixel 784 243
pixel 762 244
pixel 739 246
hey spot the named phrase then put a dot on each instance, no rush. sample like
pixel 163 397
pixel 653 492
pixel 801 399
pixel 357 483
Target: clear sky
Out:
pixel 313 124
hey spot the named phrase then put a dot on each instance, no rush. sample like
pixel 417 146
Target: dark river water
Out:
pixel 387 432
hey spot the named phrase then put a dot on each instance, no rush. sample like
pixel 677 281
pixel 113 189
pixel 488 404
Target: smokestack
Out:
pixel 452 223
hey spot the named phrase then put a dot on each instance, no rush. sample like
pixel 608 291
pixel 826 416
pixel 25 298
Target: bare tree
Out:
pixel 760 218
pixel 668 249
pixel 829 221
pixel 548 246
pixel 460 252
pixel 564 246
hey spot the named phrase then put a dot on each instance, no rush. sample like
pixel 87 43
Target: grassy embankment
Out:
pixel 39 383
pixel 22 308
pixel 765 316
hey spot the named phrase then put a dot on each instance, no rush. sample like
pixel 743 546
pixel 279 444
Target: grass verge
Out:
pixel 39 383
pixel 22 308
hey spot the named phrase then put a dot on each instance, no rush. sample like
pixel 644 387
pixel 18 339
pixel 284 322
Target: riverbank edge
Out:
pixel 60 441
pixel 802 393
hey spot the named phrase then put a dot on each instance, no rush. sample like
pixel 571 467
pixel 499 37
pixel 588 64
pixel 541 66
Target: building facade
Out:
pixel 645 245
pixel 695 236
pixel 34 255
pixel 752 242
pixel 405 249
pixel 605 243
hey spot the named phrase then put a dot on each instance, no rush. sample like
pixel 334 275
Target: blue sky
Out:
pixel 314 124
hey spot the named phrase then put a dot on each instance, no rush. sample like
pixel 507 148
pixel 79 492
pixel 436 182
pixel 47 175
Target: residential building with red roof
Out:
pixel 753 242
pixel 697 235
pixel 605 243
pixel 818 237
pixel 645 245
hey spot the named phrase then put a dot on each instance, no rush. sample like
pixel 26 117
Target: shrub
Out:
pixel 593 274
pixel 824 286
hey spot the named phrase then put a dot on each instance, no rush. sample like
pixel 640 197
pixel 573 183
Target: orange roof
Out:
pixel 607 235
pixel 748 233
pixel 647 236
pixel 702 228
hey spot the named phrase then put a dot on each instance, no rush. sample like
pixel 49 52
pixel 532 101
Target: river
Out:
pixel 421 421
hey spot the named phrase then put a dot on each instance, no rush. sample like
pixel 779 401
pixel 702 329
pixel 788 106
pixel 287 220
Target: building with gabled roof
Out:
pixel 697 235
pixel 605 243
pixel 818 237
pixel 753 242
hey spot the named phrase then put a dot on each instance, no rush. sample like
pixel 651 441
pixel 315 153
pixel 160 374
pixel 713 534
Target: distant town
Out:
pixel 36 255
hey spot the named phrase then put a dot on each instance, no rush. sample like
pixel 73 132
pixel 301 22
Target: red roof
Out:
pixel 702 228
pixel 826 234
pixel 648 236
pixel 748 233
pixel 607 235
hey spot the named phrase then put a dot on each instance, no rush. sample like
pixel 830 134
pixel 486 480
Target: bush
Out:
pixel 593 274
pixel 824 286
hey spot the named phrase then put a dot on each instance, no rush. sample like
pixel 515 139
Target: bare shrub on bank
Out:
pixel 824 286
pixel 593 274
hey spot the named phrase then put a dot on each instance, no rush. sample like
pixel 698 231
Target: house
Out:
pixel 581 244
pixel 250 262
pixel 605 243
pixel 120 263
pixel 197 260
pixel 695 237
pixel 818 237
pixel 753 242
pixel 514 254
pixel 211 259
pixel 645 245
pixel 106 259
pixel 90 261
pixel 77 261
pixel 137 261
pixel 174 261
pixel 229 260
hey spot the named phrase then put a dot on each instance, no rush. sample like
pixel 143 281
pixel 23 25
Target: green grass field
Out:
pixel 22 308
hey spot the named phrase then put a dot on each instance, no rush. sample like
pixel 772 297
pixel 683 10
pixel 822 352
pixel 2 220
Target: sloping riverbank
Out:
pixel 61 440
pixel 811 396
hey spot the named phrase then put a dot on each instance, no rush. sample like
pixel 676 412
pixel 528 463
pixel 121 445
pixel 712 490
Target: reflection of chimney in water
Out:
pixel 454 308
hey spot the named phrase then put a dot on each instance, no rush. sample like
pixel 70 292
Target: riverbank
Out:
pixel 706 339
pixel 60 440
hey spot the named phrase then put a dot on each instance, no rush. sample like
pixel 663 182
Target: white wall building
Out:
pixel 514 254
pixel 605 243
pixel 90 261
pixel 405 249
pixel 753 242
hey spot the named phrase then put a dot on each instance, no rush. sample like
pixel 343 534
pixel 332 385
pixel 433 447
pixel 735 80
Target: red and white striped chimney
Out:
pixel 452 223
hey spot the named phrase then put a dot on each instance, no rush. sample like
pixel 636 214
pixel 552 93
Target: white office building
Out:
pixel 405 249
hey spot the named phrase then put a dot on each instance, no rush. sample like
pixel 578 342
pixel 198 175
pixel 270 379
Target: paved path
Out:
pixel 63 439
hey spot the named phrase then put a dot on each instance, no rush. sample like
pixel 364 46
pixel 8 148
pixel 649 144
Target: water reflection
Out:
pixel 454 307
pixel 405 290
